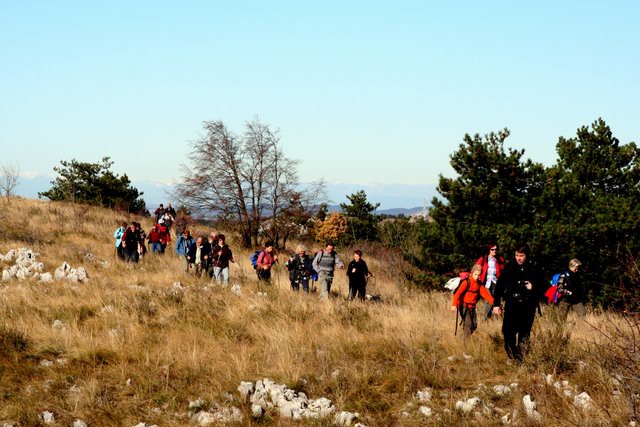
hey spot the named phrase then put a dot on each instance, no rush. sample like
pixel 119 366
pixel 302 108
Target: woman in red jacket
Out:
pixel 467 296
pixel 492 266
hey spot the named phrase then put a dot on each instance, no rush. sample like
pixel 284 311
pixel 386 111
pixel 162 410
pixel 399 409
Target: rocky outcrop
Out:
pixel 26 267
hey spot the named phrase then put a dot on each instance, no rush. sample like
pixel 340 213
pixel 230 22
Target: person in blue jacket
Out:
pixel 183 247
pixel 118 236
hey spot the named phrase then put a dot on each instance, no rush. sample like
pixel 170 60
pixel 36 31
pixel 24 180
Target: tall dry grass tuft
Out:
pixel 132 347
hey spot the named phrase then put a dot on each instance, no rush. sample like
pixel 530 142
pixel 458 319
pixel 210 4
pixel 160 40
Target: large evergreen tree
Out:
pixel 591 208
pixel 94 184
pixel 493 198
pixel 361 220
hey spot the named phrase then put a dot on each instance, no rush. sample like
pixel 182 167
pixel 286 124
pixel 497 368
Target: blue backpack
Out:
pixel 254 259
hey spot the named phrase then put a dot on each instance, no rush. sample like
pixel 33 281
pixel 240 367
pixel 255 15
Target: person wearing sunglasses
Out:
pixel 492 266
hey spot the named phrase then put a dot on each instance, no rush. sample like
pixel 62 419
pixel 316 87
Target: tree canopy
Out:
pixel 246 181
pixel 361 220
pixel 94 184
pixel 584 206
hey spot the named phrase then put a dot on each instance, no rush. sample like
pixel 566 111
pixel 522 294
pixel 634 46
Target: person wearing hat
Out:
pixel 325 263
pixel 571 292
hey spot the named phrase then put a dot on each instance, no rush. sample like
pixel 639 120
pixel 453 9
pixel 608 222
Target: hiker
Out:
pixel 183 246
pixel 198 256
pixel 154 239
pixel 165 236
pixel 221 255
pixel 571 292
pixel 520 285
pixel 166 221
pixel 358 273
pixel 212 241
pixel 492 266
pixel 159 212
pixel 172 212
pixel 142 238
pixel 118 236
pixel 325 263
pixel 299 266
pixel 467 296
pixel 266 259
pixel 130 243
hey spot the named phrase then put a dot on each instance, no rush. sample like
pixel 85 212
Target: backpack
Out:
pixel 552 293
pixel 314 274
pixel 454 284
pixel 254 259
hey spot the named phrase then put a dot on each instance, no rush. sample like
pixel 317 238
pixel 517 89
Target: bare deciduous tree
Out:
pixel 243 180
pixel 9 175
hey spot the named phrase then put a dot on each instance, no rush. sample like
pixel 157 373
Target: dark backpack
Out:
pixel 254 258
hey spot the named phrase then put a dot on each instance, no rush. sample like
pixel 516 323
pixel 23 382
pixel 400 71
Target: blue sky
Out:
pixel 374 92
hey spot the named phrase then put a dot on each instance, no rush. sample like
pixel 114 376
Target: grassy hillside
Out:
pixel 133 347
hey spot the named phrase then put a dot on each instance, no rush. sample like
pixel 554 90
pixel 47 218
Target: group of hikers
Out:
pixel 211 256
pixel 520 285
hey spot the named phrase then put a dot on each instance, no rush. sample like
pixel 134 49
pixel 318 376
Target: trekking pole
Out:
pixel 457 314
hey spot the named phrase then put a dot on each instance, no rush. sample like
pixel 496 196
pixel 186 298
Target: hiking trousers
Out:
pixel 469 321
pixel 221 275
pixel 357 289
pixel 325 285
pixel 295 285
pixel 564 308
pixel 516 327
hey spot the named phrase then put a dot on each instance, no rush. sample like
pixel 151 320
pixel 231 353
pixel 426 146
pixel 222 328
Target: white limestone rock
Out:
pixel 501 390
pixel 345 418
pixel 549 379
pixel 78 274
pixel 582 400
pixel 62 271
pixel 22 273
pixel 58 324
pixel 48 418
pixel 222 416
pixel 79 423
pixel 530 408
pixel 466 406
pixel 424 395
pixel 46 278
pixel 245 389
pixel 197 405
pixel 236 289
pixel 256 411
pixel 425 411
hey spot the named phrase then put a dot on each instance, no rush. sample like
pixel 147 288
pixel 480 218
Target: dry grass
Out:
pixel 136 351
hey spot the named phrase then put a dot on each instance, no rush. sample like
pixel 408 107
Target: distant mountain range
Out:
pixel 391 211
pixel 394 199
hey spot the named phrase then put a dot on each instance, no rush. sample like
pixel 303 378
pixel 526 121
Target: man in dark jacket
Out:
pixel 358 273
pixel 571 291
pixel 521 286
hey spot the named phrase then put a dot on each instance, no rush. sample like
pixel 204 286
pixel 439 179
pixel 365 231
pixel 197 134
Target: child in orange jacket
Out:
pixel 467 296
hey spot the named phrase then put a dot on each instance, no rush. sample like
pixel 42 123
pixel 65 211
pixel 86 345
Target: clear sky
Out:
pixel 362 91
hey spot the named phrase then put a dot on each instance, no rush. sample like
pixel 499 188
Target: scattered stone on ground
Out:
pixel 530 408
pixel 582 400
pixel 466 406
pixel 48 418
pixel 501 390
pixel 265 395
pixel 425 411
pixel 424 395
